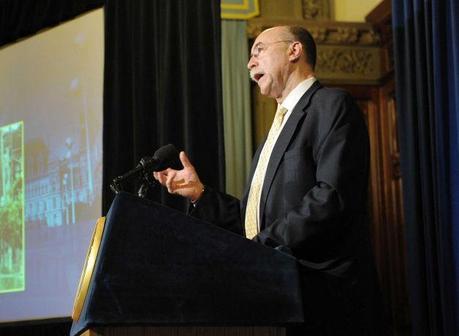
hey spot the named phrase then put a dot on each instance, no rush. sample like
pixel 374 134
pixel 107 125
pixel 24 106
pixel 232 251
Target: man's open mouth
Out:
pixel 258 76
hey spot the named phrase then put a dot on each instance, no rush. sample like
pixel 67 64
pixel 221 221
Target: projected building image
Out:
pixel 57 188
pixel 12 244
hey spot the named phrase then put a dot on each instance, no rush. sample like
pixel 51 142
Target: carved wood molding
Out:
pixel 316 9
pixel 324 32
pixel 362 36
pixel 348 64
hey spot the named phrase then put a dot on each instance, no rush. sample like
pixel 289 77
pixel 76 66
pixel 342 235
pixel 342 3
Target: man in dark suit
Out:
pixel 307 194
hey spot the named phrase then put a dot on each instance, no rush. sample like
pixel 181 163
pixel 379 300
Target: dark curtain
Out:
pixel 21 18
pixel 162 85
pixel 426 52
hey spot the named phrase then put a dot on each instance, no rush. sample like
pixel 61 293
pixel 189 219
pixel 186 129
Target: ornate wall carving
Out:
pixel 324 32
pixel 316 9
pixel 348 35
pixel 348 64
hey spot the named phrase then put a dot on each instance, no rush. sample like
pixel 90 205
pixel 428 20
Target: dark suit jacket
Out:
pixel 314 206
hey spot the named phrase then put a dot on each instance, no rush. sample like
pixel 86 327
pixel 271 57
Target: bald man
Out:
pixel 307 191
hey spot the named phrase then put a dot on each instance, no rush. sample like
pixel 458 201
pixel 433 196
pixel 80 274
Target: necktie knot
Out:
pixel 279 117
pixel 281 111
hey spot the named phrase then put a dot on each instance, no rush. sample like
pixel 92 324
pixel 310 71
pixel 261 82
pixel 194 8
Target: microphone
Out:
pixel 165 157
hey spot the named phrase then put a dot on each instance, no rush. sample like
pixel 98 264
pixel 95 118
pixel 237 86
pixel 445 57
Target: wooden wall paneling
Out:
pixel 368 100
pixel 375 206
pixel 393 203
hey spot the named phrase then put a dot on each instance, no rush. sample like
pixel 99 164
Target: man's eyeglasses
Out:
pixel 260 47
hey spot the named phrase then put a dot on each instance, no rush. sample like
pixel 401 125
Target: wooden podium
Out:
pixel 151 270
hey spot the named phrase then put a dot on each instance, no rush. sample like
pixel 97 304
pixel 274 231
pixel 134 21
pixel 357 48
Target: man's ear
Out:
pixel 295 51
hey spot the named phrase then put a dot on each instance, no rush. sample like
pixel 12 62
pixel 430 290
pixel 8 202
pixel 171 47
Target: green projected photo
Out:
pixel 12 245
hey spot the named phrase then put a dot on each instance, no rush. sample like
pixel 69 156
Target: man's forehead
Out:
pixel 270 34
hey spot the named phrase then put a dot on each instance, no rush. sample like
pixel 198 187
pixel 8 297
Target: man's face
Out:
pixel 269 62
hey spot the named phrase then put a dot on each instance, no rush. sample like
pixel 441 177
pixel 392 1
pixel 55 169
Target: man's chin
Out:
pixel 263 89
pixel 265 92
pixel 266 87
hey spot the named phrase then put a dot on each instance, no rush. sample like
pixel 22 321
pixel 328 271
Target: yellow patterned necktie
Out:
pixel 253 201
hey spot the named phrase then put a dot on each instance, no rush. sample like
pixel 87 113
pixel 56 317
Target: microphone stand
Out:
pixel 149 182
pixel 144 169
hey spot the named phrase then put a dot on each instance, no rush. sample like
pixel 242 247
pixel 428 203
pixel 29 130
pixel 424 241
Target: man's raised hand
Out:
pixel 184 182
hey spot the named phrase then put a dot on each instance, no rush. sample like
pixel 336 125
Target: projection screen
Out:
pixel 50 165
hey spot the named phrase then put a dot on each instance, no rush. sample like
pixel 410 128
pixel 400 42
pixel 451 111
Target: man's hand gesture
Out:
pixel 183 182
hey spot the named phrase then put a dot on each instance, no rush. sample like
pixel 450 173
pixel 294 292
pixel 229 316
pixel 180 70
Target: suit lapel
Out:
pixel 298 113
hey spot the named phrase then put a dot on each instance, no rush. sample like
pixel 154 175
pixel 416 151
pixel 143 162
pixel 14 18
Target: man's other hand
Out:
pixel 183 182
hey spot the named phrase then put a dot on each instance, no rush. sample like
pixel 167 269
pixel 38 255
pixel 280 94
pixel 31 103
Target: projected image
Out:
pixel 51 165
pixel 61 180
pixel 12 208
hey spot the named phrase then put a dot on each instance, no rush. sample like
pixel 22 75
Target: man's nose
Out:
pixel 252 62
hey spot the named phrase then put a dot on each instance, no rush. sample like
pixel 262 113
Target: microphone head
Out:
pixel 167 157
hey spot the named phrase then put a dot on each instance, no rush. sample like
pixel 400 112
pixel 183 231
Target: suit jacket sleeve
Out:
pixel 218 208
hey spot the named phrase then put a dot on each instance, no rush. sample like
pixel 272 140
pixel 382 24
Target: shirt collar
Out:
pixel 295 95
